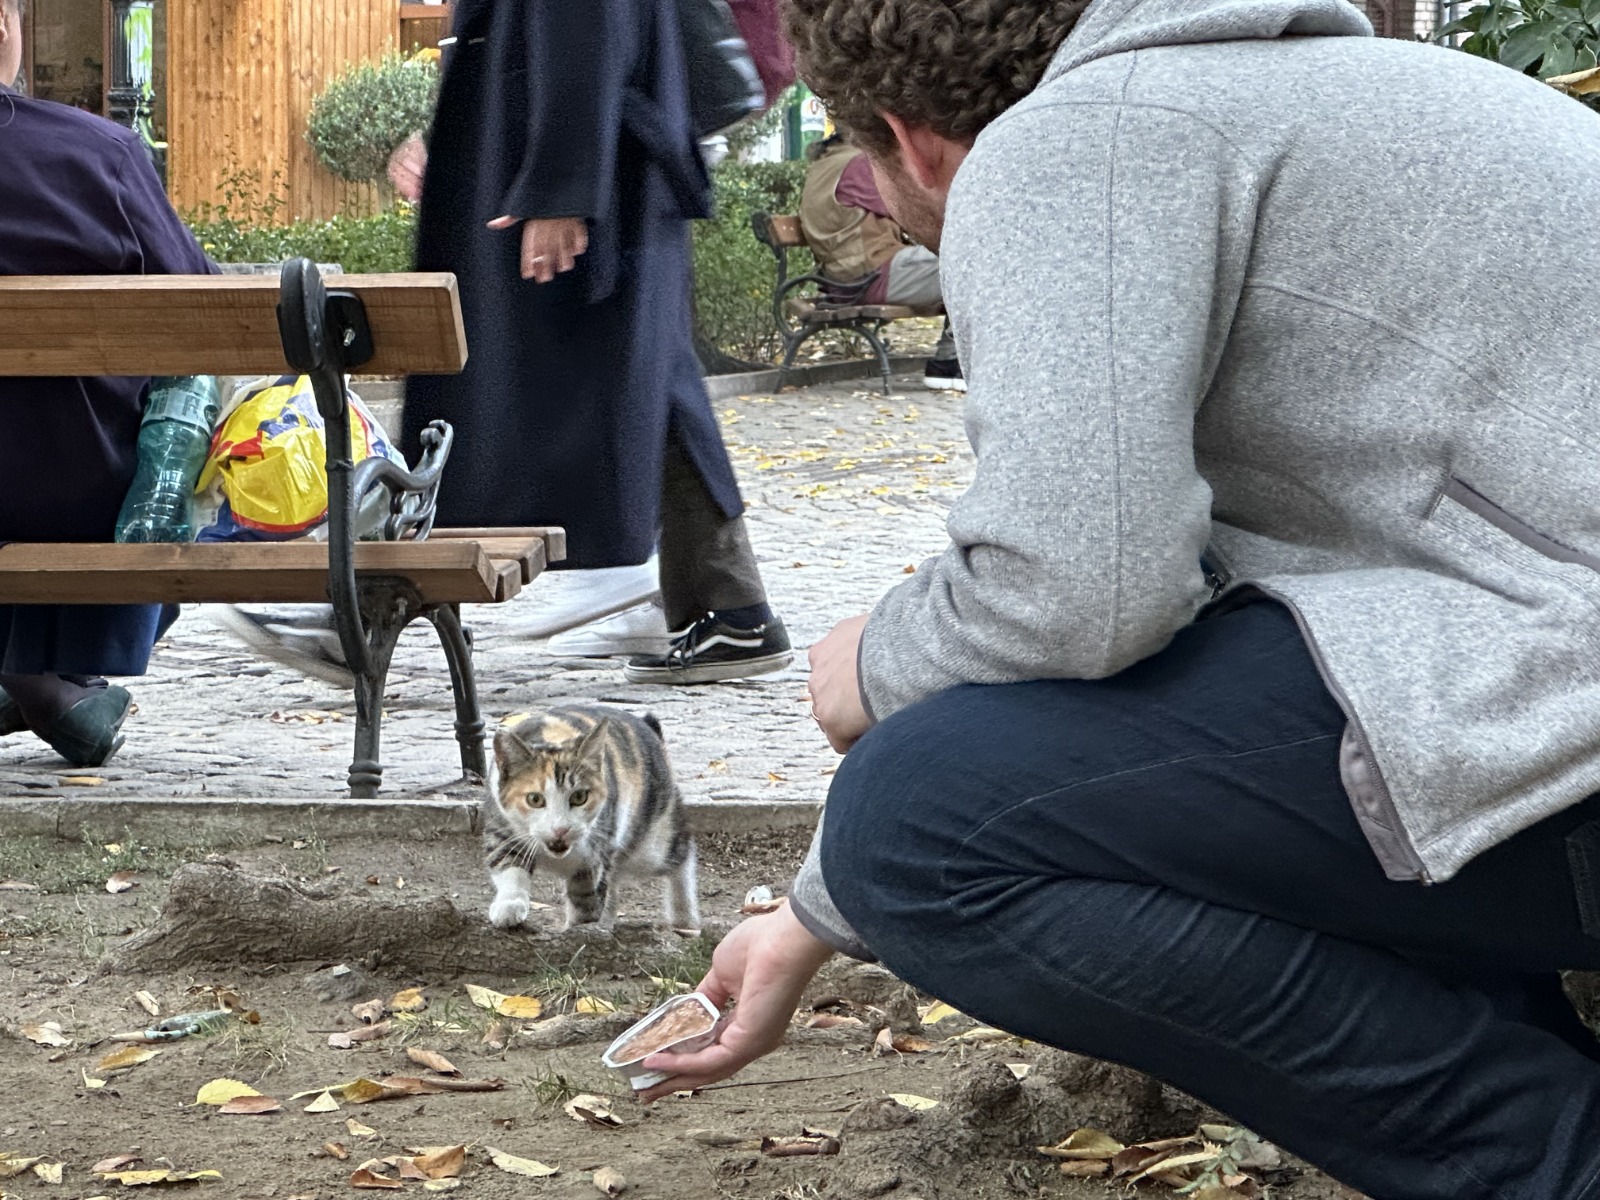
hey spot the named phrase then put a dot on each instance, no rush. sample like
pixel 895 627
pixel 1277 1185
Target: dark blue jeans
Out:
pixel 1162 869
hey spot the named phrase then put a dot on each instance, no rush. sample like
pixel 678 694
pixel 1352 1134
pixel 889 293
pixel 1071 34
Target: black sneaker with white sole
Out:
pixel 944 375
pixel 710 651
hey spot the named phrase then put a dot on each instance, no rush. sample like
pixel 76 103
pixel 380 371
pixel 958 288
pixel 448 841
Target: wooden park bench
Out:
pixel 828 304
pixel 244 325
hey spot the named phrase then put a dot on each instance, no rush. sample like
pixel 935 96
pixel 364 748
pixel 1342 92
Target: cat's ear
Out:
pixel 580 748
pixel 655 726
pixel 511 753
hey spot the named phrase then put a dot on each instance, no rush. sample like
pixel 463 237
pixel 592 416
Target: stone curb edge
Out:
pixel 725 387
pixel 177 823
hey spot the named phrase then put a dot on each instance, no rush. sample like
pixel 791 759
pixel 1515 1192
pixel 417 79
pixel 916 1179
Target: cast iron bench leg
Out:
pixel 457 643
pixel 387 607
pixel 882 351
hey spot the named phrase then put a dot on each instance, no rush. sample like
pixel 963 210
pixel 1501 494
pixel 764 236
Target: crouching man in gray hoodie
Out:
pixel 1248 730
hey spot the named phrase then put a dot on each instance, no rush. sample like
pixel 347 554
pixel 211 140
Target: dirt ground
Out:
pixel 60 962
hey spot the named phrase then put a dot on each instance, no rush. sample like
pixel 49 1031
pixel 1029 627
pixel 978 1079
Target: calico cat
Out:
pixel 586 792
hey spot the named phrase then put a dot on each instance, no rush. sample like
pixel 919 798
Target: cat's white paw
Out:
pixel 507 912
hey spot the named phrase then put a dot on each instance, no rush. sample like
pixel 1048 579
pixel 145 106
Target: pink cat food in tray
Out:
pixel 684 1023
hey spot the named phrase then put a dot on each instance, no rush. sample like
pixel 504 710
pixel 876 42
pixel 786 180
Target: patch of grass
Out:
pixel 554 1088
pixel 559 986
pixel 452 1016
pixel 680 971
pixel 257 1049
pixel 64 867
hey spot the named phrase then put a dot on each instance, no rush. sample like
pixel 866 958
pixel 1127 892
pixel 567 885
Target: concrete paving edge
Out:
pixel 723 387
pixel 176 823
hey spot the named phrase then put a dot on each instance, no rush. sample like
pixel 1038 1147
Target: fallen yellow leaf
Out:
pixel 914 1103
pixel 11 1167
pixel 220 1091
pixel 48 1033
pixel 594 1006
pixel 323 1104
pixel 433 1060
pixel 128 1056
pixel 513 1165
pixel 524 1008
pixel 938 1010
pixel 357 1129
pixel 409 1001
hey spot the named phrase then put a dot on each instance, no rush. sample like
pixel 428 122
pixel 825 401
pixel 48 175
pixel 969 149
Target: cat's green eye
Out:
pixel 578 799
pixel 535 799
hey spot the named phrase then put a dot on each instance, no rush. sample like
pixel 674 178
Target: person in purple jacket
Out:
pixel 78 196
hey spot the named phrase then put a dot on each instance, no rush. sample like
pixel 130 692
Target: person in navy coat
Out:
pixel 559 178
pixel 78 196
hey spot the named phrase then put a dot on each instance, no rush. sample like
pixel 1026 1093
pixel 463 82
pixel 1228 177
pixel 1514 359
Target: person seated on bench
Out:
pixel 78 196
pixel 853 236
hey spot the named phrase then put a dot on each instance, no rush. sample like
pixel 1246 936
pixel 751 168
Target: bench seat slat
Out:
pixel 455 570
pixel 209 324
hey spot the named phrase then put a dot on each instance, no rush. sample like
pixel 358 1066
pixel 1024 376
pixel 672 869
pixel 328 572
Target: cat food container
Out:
pixel 684 1023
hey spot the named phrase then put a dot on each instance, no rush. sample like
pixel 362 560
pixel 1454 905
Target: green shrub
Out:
pixel 244 226
pixel 361 116
pixel 733 273
pixel 1538 37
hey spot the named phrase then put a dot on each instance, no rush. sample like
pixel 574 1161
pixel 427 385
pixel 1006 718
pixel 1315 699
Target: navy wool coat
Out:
pixel 78 196
pixel 550 108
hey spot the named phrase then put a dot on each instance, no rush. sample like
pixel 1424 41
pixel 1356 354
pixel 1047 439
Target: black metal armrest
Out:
pixel 413 494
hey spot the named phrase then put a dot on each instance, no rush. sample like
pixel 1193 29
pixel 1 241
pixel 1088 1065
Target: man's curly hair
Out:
pixel 950 65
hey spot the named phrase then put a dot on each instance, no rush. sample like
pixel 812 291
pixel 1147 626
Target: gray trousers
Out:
pixel 706 562
pixel 914 281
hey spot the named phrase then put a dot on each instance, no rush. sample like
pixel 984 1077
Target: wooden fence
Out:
pixel 241 78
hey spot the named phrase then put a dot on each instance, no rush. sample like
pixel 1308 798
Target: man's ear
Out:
pixel 930 158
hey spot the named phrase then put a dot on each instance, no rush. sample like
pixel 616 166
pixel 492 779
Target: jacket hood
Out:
pixel 1116 26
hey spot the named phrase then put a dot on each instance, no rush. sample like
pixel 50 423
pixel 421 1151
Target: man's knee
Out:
pixel 886 833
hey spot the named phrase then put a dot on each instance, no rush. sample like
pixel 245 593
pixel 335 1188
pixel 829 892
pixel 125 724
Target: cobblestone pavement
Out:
pixel 847 490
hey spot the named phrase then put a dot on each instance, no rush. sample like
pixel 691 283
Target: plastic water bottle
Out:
pixel 174 438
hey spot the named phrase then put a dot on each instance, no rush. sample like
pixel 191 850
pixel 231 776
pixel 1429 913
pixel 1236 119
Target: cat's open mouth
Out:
pixel 558 848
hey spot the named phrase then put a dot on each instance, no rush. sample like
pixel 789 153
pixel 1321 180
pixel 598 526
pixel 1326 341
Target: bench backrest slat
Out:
pixel 211 325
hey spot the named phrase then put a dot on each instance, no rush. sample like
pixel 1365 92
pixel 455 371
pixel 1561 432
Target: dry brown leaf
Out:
pixel 47 1033
pixel 250 1106
pixel 443 1163
pixel 1085 1168
pixel 80 780
pixel 407 1168
pixel 513 1165
pixel 121 881
pixel 433 1060
pixel 145 1178
pixel 790 1147
pixel 441 1185
pixel 914 1103
pixel 592 1110
pixel 48 1172
pixel 372 1181
pixel 11 1167
pixel 1085 1143
pixel 117 1162
pixel 147 1002
pixel 497 1035
pixel 610 1181
pixel 127 1057
pixel 357 1129
pixel 908 1043
pixel 337 1149
pixel 16 885
pixel 369 1013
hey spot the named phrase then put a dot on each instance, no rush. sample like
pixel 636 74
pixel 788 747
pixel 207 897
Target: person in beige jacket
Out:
pixel 859 246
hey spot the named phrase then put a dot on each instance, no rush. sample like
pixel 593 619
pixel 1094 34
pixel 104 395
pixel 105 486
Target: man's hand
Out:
pixel 836 686
pixel 550 246
pixel 764 964
pixel 407 165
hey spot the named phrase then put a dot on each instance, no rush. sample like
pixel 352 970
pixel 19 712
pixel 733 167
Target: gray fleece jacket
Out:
pixel 1240 281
